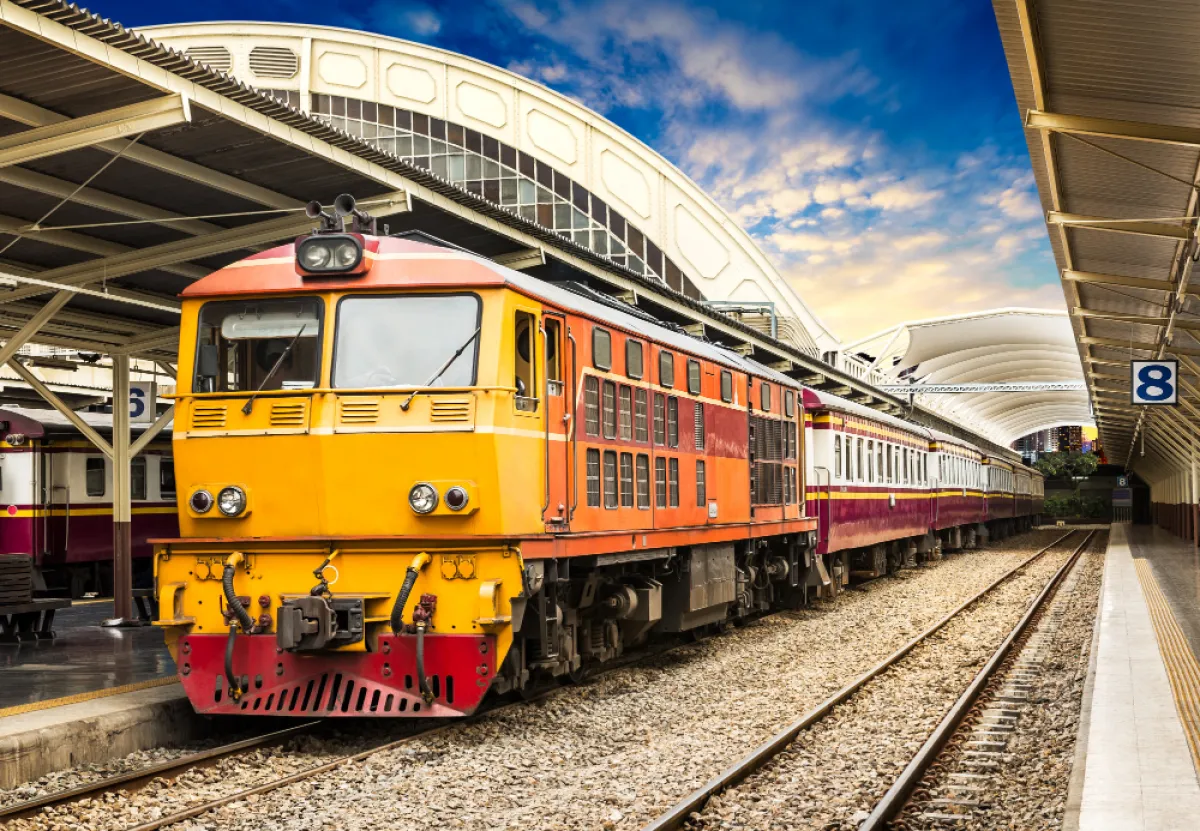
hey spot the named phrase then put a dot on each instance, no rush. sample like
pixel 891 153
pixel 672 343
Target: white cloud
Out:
pixel 422 22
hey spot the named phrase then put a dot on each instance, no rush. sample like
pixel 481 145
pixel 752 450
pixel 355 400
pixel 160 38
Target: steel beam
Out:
pixel 32 180
pixel 152 341
pixel 31 328
pixel 1142 227
pixel 89 130
pixel 1021 386
pixel 31 114
pixel 1121 280
pixel 90 245
pixel 120 265
pixel 1112 128
pixel 57 403
pixel 152 431
pixel 1140 346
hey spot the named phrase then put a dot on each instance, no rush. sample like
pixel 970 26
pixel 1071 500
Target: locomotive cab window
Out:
pixel 410 341
pixel 247 345
pixel 601 349
pixel 524 361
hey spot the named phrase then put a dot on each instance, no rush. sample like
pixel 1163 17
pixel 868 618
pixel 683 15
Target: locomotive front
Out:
pixel 350 423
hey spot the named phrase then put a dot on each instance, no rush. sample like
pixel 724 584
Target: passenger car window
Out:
pixel 95 478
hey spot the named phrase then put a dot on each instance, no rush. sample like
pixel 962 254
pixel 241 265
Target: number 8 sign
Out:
pixel 1154 382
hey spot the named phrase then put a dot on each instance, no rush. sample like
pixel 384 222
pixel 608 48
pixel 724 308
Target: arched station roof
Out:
pixel 519 144
pixel 1000 346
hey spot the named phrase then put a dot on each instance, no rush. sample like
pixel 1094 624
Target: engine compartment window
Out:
pixel 405 341
pixel 246 345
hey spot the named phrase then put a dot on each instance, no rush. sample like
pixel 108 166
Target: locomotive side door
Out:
pixel 559 423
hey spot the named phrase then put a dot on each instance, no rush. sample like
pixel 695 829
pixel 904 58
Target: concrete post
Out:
pixel 122 500
pixel 1194 505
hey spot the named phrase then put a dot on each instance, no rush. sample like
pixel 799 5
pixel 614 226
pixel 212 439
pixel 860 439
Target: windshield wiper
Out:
pixel 406 402
pixel 249 405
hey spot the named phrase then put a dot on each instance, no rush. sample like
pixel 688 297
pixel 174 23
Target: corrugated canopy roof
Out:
pixel 1000 346
pixel 1107 90
pixel 127 171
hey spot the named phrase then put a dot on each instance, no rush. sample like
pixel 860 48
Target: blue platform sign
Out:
pixel 1154 382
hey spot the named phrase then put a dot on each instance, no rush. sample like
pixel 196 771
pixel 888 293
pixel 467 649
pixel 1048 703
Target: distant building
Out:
pixel 1070 439
pixel 1035 444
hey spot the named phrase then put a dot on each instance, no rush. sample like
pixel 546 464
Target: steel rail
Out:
pixel 897 796
pixel 676 817
pixel 140 776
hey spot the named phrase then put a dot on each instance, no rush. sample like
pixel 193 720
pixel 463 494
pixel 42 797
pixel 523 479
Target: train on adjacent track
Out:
pixel 56 500
pixel 409 475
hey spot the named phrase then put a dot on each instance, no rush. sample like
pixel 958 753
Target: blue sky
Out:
pixel 872 148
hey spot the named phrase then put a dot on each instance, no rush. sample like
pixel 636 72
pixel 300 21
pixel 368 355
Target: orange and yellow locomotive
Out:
pixel 408 475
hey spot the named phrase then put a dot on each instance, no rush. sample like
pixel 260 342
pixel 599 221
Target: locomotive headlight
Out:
pixel 329 253
pixel 231 501
pixel 456 498
pixel 314 257
pixel 423 498
pixel 201 502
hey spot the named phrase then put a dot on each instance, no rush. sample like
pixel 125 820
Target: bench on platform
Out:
pixel 32 620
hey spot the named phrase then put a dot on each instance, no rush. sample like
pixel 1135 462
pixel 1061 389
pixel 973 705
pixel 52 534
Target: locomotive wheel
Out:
pixel 580 676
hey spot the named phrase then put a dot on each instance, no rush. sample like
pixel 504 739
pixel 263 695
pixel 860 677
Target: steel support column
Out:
pixel 122 502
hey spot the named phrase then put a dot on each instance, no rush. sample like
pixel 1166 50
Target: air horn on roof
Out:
pixel 335 223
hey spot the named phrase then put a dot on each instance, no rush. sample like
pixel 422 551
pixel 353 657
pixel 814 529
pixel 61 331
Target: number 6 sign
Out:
pixel 1154 382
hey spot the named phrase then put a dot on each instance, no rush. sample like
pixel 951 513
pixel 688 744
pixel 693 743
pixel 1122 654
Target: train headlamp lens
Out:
pixel 329 253
pixel 423 498
pixel 345 255
pixel 201 502
pixel 314 257
pixel 456 498
pixel 231 501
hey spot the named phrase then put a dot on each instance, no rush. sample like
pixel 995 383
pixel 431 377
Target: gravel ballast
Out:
pixel 611 754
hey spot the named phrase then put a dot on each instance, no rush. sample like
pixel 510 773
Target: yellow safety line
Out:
pixel 91 601
pixel 1183 669
pixel 21 709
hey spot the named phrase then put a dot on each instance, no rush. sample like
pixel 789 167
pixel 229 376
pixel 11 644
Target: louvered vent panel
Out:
pixel 289 414
pixel 273 62
pixel 444 410
pixel 217 57
pixel 208 415
pixel 360 411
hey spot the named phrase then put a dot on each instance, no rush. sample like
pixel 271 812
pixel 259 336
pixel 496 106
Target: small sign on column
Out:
pixel 142 399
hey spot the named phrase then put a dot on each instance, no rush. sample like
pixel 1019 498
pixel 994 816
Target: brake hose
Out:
pixel 243 617
pixel 422 681
pixel 410 579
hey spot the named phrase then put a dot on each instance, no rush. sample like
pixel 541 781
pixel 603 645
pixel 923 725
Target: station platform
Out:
pixel 1138 756
pixel 83 660
pixel 88 696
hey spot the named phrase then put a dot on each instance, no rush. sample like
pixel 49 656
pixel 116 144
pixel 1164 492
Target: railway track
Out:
pixel 968 749
pixel 130 781
pixel 680 815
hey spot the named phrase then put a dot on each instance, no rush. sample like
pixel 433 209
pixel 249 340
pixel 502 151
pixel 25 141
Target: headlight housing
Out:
pixel 329 253
pixel 423 498
pixel 201 502
pixel 231 501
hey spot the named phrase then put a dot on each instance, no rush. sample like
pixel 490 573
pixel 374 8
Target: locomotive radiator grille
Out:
pixel 359 410
pixel 208 416
pixel 450 410
pixel 291 414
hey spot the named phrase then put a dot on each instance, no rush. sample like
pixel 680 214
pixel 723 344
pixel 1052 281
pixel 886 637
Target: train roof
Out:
pixel 406 263
pixel 815 399
pixel 39 423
